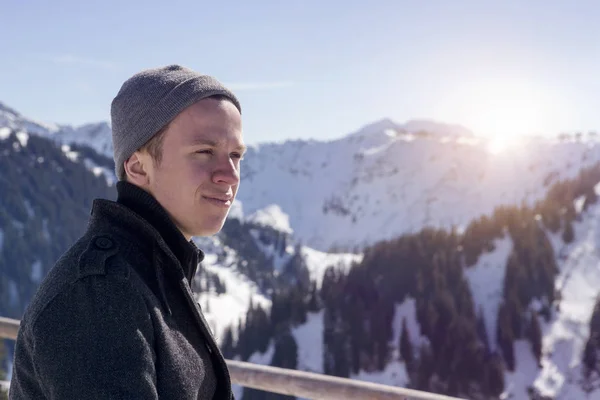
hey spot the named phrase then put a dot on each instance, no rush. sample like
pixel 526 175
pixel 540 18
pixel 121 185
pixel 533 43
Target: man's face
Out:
pixel 199 174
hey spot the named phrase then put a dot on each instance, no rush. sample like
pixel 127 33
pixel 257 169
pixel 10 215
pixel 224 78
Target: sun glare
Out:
pixel 507 110
pixel 496 145
pixel 502 112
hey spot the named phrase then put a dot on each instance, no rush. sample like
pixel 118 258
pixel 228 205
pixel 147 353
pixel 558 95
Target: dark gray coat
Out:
pixel 115 319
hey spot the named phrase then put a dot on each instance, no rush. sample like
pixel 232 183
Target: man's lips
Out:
pixel 219 200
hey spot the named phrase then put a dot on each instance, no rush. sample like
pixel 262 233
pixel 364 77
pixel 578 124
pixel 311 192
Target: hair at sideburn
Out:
pixel 154 145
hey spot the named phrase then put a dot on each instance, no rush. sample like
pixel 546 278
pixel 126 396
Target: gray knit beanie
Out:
pixel 152 98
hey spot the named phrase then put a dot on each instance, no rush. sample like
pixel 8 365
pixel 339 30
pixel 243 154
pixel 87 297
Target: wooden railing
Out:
pixel 291 382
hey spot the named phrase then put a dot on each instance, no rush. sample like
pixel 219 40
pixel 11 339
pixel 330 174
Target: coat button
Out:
pixel 104 243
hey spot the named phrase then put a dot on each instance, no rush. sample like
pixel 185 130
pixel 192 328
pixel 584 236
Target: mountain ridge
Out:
pixel 387 178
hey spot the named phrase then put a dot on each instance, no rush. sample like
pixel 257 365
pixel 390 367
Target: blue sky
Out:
pixel 312 69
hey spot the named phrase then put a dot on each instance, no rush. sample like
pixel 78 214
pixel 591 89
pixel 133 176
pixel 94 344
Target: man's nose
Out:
pixel 227 172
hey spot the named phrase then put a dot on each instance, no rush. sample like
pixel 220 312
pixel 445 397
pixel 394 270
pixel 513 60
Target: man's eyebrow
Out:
pixel 209 142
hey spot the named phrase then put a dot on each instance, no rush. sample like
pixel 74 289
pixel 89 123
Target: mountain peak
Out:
pixel 7 109
pixel 436 128
pixel 386 126
pixel 376 127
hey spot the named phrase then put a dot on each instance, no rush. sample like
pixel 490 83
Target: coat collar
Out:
pixel 108 215
pixel 148 208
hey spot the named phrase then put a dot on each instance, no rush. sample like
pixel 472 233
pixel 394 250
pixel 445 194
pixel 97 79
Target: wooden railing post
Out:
pixel 9 328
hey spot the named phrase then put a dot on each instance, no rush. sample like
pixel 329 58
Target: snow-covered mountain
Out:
pixel 95 135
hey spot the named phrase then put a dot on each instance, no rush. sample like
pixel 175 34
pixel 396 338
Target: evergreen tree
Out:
pixel 590 353
pixel 568 234
pixel 406 350
pixel 314 302
pixel 494 376
pixel 286 352
pixel 262 329
pixel 590 198
pixel 426 367
pixel 329 321
pixel 336 345
pixel 516 314
pixel 227 346
pixel 590 356
pixel 298 305
pixel 505 337
pixel 296 270
pixel 255 334
pixel 535 336
pixel 482 330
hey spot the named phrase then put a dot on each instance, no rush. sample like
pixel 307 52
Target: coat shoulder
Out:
pixel 93 254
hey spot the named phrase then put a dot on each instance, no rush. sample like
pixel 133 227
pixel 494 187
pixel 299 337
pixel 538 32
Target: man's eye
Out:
pixel 237 155
pixel 205 151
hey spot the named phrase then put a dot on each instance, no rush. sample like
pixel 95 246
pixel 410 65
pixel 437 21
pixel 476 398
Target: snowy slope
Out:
pixel 381 183
pixel 228 309
pixel 486 280
pixel 565 335
pixel 98 136
pixel 309 338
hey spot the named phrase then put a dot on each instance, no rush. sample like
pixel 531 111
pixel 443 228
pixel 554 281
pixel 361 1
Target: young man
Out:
pixel 115 317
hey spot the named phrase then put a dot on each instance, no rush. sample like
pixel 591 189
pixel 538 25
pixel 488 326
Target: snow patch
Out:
pixel 13 292
pixel 408 310
pixel 228 309
pixel 272 216
pixel 271 251
pixel 37 272
pixel 317 262
pixel 29 209
pixel 578 204
pixel 516 383
pixel 486 280
pixel 109 173
pixel 71 155
pixel 309 338
pixel 5 132
pixel 23 138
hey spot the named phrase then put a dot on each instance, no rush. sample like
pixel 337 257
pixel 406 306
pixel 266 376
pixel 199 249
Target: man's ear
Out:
pixel 136 169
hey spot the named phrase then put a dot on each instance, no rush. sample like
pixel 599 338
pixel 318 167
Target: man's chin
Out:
pixel 212 230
